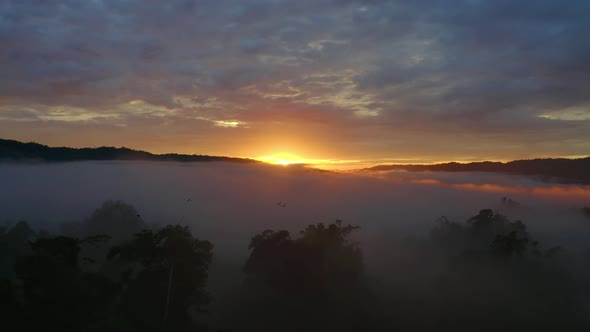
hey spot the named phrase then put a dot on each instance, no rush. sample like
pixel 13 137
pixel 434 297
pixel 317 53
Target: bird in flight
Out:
pixel 281 204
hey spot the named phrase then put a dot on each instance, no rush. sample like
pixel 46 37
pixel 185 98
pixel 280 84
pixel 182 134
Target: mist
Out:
pixel 227 204
pixel 229 201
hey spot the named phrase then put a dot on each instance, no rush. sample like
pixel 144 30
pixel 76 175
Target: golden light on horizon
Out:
pixel 284 159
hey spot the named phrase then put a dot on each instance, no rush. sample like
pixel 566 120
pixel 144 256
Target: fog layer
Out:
pixel 227 204
pixel 238 200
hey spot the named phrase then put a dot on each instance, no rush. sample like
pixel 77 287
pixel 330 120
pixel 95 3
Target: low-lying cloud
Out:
pixel 227 204
pixel 237 201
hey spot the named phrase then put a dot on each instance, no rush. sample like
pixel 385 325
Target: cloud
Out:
pixel 421 71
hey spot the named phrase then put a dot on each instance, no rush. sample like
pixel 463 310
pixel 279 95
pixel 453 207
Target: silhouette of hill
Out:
pixel 557 170
pixel 15 150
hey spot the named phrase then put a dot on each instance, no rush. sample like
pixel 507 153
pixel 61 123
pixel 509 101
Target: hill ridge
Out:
pixel 14 150
pixel 562 170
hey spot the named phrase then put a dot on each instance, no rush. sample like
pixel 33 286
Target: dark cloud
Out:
pixel 474 68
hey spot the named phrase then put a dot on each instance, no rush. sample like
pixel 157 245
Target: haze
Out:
pixel 229 203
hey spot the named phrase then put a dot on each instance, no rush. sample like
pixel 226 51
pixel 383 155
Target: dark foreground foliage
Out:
pixel 317 277
pixel 160 279
pixel 170 265
pixel 487 273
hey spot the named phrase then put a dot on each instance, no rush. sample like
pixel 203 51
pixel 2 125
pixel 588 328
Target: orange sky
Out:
pixel 338 83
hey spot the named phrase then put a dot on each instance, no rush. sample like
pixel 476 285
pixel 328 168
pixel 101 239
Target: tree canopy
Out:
pixel 165 280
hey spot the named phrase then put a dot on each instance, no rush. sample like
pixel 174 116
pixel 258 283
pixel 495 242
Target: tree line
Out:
pixel 113 272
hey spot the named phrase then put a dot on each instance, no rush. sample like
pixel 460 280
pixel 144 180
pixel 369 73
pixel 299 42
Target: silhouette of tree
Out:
pixel 510 245
pixel 10 307
pixel 57 294
pixel 321 258
pixel 14 242
pixel 117 219
pixel 166 278
pixel 493 267
pixel 485 230
pixel 317 276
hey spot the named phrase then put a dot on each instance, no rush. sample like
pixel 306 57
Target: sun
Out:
pixel 283 162
pixel 284 159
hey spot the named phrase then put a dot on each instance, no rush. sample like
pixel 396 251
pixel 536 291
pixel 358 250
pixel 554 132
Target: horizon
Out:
pixel 286 159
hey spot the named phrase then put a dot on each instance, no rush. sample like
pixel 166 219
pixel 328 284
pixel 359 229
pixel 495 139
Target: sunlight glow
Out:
pixel 284 159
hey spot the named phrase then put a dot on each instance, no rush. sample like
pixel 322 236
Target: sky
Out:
pixel 337 82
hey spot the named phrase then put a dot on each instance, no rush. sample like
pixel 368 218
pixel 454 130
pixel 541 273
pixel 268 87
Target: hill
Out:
pixel 11 150
pixel 551 169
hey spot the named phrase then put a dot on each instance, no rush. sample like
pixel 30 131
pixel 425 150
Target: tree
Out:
pixel 10 307
pixel 117 219
pixel 317 277
pixel 166 278
pixel 14 242
pixel 510 245
pixel 482 232
pixel 318 262
pixel 57 294
pixel 494 267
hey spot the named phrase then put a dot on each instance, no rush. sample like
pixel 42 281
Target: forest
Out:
pixel 115 272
